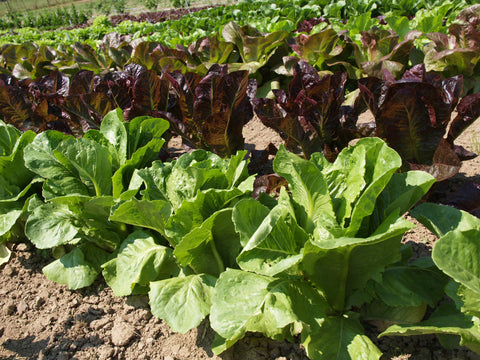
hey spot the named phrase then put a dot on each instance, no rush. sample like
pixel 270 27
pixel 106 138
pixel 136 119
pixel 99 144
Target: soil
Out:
pixel 43 320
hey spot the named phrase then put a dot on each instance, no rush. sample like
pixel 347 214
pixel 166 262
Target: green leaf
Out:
pixel 183 302
pixel 402 192
pixel 275 246
pixel 150 214
pixel 248 215
pixel 411 286
pixel 470 301
pixel 144 145
pixel 40 158
pixel 381 163
pixel 9 214
pixel 441 219
pixel 51 225
pixel 139 261
pixel 446 319
pixel 342 338
pixel 71 166
pixel 4 254
pixel 89 161
pixel 77 269
pixel 384 315
pixel 457 253
pixel 114 131
pixel 309 189
pixel 12 145
pixel 338 266
pixel 245 301
pixel 345 179
pixel 70 219
pixel 193 213
pixel 211 247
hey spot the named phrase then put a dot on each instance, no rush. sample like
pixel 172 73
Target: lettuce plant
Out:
pixel 308 257
pixel 256 49
pixel 16 185
pixel 457 254
pixel 209 112
pixel 457 52
pixel 82 178
pixel 309 118
pixel 188 203
pixel 412 115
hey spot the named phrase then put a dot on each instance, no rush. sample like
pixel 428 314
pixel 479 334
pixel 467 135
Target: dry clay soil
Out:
pixel 43 320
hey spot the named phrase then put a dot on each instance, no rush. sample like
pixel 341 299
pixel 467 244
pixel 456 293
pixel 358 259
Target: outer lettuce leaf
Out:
pixel 139 261
pixel 88 161
pixel 245 301
pixel 70 219
pixel 51 225
pixel 12 145
pixel 183 302
pixel 402 193
pixel 442 219
pixel 9 214
pixel 4 254
pixel 445 320
pixel 411 286
pixel 152 214
pixel 383 315
pixel 62 177
pixel 457 253
pixel 79 268
pixel 340 338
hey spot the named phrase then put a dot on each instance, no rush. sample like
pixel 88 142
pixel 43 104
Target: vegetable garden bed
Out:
pixel 319 256
pixel 41 319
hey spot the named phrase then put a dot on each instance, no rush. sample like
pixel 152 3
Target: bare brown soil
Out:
pixel 42 320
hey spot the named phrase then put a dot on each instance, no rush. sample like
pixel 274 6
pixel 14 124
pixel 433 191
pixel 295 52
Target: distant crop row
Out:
pixel 265 16
pixel 363 46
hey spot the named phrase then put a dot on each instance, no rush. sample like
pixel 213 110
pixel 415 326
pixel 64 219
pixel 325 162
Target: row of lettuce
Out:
pixel 365 46
pixel 265 16
pixel 318 260
pixel 209 112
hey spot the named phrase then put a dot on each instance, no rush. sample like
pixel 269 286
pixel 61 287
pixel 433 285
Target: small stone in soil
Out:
pixel 39 301
pixel 105 352
pixel 98 324
pixel 22 307
pixel 122 334
pixel 9 308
